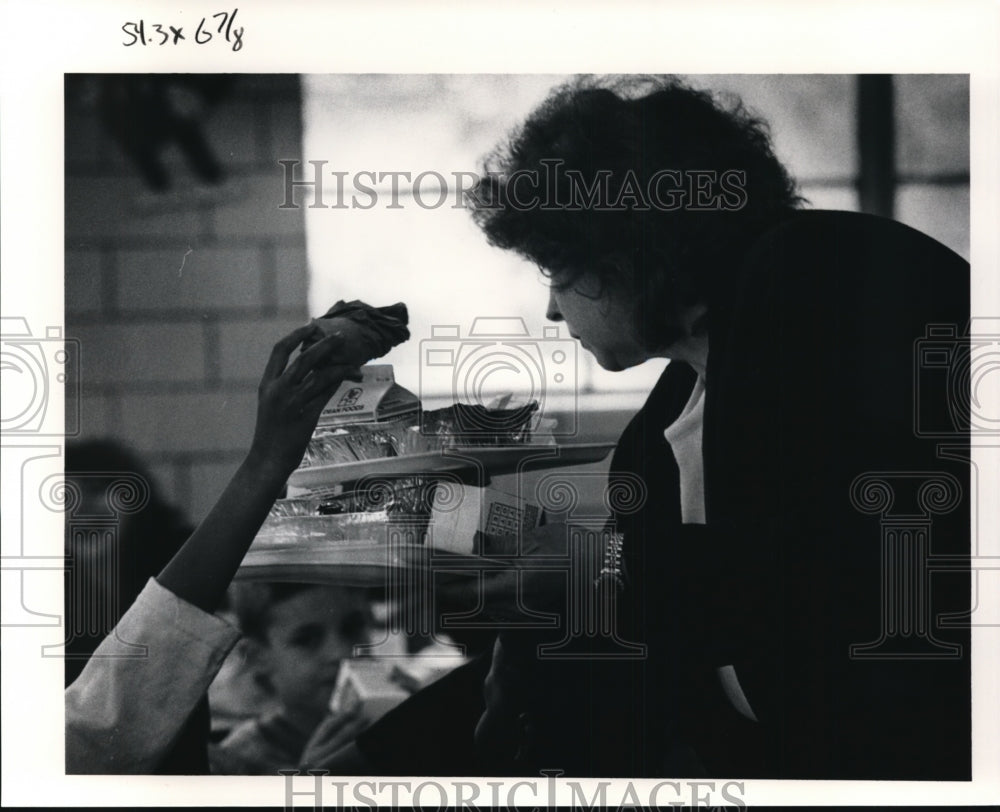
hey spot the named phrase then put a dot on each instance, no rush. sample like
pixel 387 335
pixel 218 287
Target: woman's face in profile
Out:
pixel 601 318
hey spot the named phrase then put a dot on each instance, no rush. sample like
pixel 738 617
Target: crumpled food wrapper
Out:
pixel 368 332
pixel 477 425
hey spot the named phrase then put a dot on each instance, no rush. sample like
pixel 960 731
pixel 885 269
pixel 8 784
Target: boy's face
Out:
pixel 307 637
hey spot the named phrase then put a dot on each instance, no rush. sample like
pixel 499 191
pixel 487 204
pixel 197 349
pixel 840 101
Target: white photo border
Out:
pixel 43 41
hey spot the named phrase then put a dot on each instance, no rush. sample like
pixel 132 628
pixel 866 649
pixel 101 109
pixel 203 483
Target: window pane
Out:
pixel 932 124
pixel 837 198
pixel 812 118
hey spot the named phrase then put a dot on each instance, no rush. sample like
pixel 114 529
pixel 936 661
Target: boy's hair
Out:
pixel 629 129
pixel 252 602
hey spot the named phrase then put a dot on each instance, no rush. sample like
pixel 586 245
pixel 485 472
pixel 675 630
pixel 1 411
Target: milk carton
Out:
pixel 376 397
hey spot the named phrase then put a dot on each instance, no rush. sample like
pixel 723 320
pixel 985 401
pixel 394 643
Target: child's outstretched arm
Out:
pixel 290 399
pixel 124 711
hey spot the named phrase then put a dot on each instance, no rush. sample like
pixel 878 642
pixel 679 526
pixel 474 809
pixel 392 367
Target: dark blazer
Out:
pixel 813 382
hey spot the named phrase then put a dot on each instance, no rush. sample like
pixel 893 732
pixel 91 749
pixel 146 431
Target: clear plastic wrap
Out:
pixel 282 529
pixel 360 441
pixel 422 432
pixel 412 495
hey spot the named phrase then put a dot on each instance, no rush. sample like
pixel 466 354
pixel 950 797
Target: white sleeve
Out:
pixel 127 706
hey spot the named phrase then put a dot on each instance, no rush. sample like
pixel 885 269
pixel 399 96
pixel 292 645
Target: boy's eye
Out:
pixel 307 637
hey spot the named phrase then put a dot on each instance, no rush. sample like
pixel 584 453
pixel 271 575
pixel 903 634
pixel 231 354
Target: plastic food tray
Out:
pixel 356 563
pixel 490 459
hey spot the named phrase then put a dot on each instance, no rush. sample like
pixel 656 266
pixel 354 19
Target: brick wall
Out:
pixel 176 299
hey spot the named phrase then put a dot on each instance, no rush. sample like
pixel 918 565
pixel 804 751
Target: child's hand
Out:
pixel 333 733
pixel 289 401
pixel 292 395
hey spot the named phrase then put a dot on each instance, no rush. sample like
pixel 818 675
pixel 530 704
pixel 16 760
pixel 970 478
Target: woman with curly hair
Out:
pixel 778 635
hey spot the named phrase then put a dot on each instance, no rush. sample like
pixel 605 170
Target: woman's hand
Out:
pixel 292 395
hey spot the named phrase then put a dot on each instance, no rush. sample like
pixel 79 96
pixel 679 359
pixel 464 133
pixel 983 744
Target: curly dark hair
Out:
pixel 632 133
